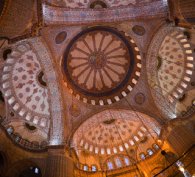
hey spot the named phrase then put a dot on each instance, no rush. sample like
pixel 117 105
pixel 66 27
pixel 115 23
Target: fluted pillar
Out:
pixel 58 165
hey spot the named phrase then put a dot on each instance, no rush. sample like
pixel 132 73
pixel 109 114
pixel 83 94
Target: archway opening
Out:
pixel 31 172
pixel 6 53
pixel 2 163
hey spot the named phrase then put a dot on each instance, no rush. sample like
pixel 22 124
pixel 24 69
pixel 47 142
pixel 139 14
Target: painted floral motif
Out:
pixel 99 62
pixel 174 70
pixel 110 131
pixel 86 3
pixel 25 86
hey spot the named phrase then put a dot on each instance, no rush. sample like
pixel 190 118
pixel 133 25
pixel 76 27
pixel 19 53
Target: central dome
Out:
pixel 100 62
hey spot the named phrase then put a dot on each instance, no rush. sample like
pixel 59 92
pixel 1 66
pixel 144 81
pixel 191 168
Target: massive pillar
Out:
pixel 182 11
pixel 181 138
pixel 58 165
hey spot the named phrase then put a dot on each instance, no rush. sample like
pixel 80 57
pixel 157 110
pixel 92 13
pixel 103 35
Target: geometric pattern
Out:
pixel 56 14
pixel 26 138
pixel 24 85
pixel 86 3
pixel 176 65
pixel 101 66
pixel 170 65
pixel 113 131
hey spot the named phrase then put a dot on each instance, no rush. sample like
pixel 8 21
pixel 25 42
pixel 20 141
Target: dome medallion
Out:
pixel 101 65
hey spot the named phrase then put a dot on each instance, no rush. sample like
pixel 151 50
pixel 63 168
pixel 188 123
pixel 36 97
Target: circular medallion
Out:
pixel 139 98
pixel 100 65
pixel 139 30
pixel 60 37
pixel 75 111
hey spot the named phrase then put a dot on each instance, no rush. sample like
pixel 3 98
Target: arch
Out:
pixel 3 162
pixel 2 107
pixel 169 68
pixel 94 168
pixel 111 133
pixel 31 172
pixel 98 4
pixel 118 161
pixel 18 167
pixel 26 135
pixel 56 136
pixel 122 117
pixel 38 48
pixel 2 3
pixel 80 16
pixel 6 52
pixel 153 119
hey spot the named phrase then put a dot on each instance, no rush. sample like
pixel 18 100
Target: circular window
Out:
pixel 101 65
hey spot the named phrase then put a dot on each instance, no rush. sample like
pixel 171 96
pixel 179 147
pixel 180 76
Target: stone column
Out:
pixel 58 164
